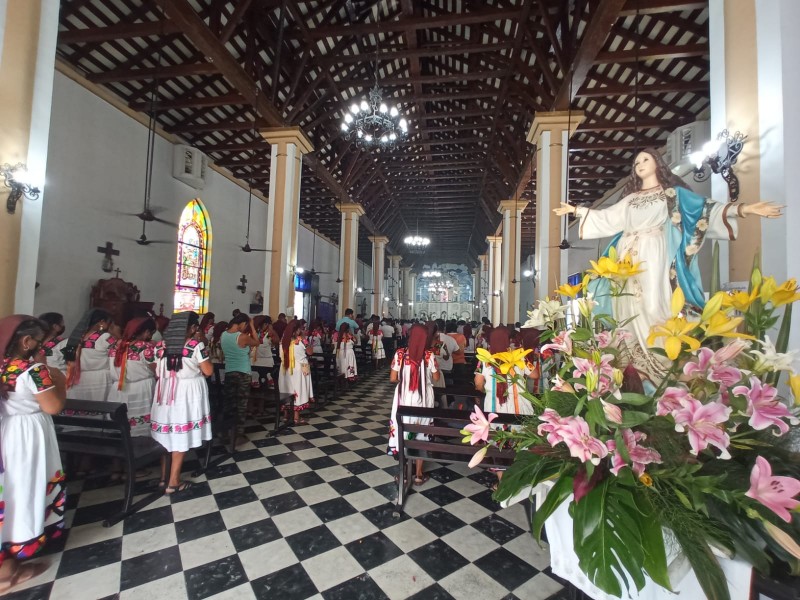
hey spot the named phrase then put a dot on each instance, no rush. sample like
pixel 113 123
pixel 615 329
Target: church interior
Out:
pixel 377 163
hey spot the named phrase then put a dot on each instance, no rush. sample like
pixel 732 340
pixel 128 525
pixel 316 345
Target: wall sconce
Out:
pixel 386 299
pixel 411 304
pixel 14 177
pixel 718 156
pixel 527 273
pixel 496 293
pixel 360 290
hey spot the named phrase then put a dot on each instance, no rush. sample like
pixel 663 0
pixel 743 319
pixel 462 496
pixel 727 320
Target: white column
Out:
pixel 512 247
pixel 495 291
pixel 405 292
pixel 393 285
pixel 412 296
pixel 288 147
pixel 348 255
pixel 378 271
pixel 485 292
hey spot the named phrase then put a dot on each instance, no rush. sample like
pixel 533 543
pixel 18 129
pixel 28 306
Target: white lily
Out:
pixel 769 359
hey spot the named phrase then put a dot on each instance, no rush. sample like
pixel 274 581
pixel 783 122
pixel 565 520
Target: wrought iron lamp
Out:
pixel 14 177
pixel 718 156
pixel 417 244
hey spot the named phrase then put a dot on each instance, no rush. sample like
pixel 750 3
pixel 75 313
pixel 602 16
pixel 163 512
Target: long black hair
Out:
pixel 29 327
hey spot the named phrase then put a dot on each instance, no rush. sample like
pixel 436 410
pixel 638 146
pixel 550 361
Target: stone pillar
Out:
pixel 483 286
pixel 289 144
pixel 378 270
pixel 549 133
pixel 28 36
pixel 512 244
pixel 495 290
pixel 393 288
pixel 476 293
pixel 348 255
pixel 412 296
pixel 406 294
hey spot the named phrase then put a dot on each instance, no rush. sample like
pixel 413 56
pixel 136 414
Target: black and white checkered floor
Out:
pixel 305 515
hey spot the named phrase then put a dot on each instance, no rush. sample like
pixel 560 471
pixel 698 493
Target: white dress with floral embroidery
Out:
pixel 346 356
pixel 403 394
pixel 94 382
pixel 641 217
pixel 180 417
pixel 32 485
pixel 299 378
pixel 139 385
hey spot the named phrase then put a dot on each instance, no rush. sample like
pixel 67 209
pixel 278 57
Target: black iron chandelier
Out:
pixel 373 123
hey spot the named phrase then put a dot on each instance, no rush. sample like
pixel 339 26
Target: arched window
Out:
pixel 193 260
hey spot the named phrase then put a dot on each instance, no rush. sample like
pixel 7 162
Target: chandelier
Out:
pixel 431 274
pixel 417 244
pixel 373 123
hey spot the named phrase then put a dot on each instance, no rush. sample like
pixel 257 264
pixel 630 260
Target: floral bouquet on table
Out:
pixel 703 460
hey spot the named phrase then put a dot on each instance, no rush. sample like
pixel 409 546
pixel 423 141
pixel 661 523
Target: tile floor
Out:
pixel 303 515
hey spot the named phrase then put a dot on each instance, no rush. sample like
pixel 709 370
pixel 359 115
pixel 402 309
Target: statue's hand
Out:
pixel 564 209
pixel 767 210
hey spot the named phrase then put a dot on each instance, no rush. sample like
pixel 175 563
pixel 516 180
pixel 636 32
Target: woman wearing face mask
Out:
pixel 32 479
pixel 661 223
pixel 86 353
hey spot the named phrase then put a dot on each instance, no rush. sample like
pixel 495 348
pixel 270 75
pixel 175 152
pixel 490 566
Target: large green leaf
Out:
pixel 655 555
pixel 528 469
pixel 557 494
pixel 608 532
pixel 705 565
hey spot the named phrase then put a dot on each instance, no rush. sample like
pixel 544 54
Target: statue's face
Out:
pixel 644 166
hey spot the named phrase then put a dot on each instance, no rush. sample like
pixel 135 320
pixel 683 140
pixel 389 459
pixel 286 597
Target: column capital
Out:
pixel 509 205
pixel 350 207
pixel 287 135
pixel 406 269
pixel 379 240
pixel 494 239
pixel 395 257
pixel 555 120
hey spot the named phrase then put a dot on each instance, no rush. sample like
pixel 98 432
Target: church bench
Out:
pixel 79 431
pixel 443 446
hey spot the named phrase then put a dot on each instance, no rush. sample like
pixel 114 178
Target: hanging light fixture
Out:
pixel 417 244
pixel 373 123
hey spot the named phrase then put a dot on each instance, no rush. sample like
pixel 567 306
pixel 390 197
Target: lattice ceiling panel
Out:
pixel 468 75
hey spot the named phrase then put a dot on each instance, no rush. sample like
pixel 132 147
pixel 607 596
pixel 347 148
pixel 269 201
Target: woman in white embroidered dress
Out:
pixel 86 353
pixel 376 343
pixel 414 370
pixel 345 353
pixel 294 356
pixel 133 373
pixel 662 224
pixel 31 476
pixel 56 342
pixel 180 417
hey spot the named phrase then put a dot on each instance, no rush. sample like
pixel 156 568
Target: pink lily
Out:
pixel 710 366
pixel 730 351
pixel 776 493
pixel 639 455
pixel 559 385
pixel 612 411
pixel 672 400
pixel 604 339
pixel 581 444
pixel 477 458
pixel 561 343
pixel 763 408
pixel 479 427
pixel 552 424
pixel 704 424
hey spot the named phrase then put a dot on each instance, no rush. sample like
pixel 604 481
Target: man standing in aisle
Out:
pixel 348 318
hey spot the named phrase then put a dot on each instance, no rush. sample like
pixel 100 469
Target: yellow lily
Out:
pixel 675 330
pixel 569 290
pixel 622 269
pixel 786 293
pixel 713 305
pixel 484 355
pixel 724 326
pixel 794 384
pixel 678 301
pixel 511 359
pixel 768 287
pixel 740 300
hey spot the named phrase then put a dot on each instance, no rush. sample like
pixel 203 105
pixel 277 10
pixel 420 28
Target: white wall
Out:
pixel 95 174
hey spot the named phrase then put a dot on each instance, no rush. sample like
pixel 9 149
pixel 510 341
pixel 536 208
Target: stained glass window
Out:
pixel 194 248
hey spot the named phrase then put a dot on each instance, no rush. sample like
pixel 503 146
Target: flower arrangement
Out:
pixel 699 462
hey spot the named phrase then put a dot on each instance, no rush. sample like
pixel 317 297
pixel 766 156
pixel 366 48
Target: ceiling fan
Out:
pixel 313 257
pixel 246 248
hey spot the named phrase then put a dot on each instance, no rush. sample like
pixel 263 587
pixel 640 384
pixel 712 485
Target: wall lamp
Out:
pixel 718 156
pixel 15 177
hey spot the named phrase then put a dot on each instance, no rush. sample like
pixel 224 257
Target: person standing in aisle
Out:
pixel 236 343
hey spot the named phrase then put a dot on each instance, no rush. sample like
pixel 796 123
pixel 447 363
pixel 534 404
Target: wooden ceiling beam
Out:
pixel 626 125
pixel 189 102
pixel 236 17
pixel 123 31
pixel 405 53
pixel 592 42
pixel 428 22
pixel 669 87
pixel 655 52
pixel 653 7
pixel 226 125
pixel 166 72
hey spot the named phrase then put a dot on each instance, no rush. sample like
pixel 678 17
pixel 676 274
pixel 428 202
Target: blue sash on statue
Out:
pixel 691 207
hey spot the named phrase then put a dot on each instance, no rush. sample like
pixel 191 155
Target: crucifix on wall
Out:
pixel 243 287
pixel 108 261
